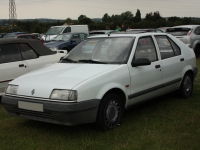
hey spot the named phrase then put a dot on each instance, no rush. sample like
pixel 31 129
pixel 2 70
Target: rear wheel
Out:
pixel 110 112
pixel 197 51
pixel 186 87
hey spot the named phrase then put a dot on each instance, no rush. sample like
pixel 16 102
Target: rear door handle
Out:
pixel 21 65
pixel 157 66
pixel 182 59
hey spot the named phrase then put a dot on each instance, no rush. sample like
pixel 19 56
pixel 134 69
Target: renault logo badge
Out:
pixel 33 91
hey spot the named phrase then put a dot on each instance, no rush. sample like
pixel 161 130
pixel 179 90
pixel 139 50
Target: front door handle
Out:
pixel 157 66
pixel 21 65
pixel 182 59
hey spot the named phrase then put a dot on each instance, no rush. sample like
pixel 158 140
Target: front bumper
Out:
pixel 54 112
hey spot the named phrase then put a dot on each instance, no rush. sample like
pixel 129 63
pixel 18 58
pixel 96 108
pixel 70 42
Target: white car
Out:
pixel 20 56
pixel 98 84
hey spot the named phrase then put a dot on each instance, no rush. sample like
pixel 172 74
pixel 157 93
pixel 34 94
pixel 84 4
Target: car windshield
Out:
pixel 108 50
pixel 178 31
pixel 55 30
pixel 62 37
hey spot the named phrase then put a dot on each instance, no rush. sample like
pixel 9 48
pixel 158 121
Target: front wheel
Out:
pixel 186 87
pixel 110 112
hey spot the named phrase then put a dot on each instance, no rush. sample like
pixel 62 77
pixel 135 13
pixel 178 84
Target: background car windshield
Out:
pixel 55 30
pixel 108 50
pixel 62 37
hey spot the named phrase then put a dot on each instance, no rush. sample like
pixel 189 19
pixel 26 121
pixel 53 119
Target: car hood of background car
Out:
pixel 55 43
pixel 57 76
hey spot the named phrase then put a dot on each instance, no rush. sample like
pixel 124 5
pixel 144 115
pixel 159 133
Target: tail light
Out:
pixel 189 32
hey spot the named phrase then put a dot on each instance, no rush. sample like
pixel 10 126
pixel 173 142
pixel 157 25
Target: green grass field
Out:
pixel 164 123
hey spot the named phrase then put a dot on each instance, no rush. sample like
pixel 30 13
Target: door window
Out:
pixel 27 52
pixel 146 49
pixel 67 30
pixel 197 31
pixel 82 36
pixel 76 38
pixel 9 53
pixel 167 47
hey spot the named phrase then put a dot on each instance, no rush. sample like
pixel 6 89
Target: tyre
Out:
pixel 186 87
pixel 110 112
pixel 197 51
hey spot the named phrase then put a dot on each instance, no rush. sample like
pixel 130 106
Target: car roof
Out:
pixel 41 49
pixel 186 26
pixel 128 35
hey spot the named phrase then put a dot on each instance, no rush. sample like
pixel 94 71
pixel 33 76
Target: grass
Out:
pixel 164 123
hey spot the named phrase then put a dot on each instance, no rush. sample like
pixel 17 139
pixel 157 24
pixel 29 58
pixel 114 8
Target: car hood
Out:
pixel 55 43
pixel 57 76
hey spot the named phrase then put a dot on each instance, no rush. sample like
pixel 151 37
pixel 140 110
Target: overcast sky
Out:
pixel 62 9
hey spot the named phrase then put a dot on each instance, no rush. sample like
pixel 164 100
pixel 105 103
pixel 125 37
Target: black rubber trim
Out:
pixel 154 88
pixel 6 81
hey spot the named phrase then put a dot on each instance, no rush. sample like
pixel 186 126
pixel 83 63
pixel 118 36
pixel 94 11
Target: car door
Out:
pixel 75 40
pixel 172 62
pixel 145 79
pixel 33 60
pixel 11 65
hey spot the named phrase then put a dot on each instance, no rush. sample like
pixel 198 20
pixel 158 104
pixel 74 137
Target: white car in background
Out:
pixel 98 84
pixel 20 56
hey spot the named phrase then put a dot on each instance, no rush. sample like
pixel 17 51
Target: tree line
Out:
pixel 134 21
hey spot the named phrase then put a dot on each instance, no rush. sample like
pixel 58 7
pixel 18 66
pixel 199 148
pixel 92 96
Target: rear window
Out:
pixel 178 31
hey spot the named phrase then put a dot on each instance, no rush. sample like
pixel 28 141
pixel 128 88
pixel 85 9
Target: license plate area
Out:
pixel 30 106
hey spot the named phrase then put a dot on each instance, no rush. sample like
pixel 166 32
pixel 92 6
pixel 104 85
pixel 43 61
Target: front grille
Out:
pixel 33 113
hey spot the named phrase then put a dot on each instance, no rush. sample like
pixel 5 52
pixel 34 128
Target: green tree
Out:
pixel 137 17
pixel 84 20
pixel 68 21
pixel 126 16
pixel 106 18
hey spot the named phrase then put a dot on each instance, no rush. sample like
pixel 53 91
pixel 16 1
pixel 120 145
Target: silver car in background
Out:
pixel 188 34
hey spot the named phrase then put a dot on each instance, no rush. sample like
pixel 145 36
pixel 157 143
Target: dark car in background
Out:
pixel 66 41
pixel 2 35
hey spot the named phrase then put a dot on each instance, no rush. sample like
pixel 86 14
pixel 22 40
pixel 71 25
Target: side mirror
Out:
pixel 140 62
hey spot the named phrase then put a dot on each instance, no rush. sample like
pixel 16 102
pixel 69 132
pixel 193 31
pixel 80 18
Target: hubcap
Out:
pixel 187 85
pixel 112 113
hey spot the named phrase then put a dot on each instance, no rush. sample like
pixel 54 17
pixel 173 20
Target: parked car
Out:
pixel 163 29
pixel 2 35
pixel 121 70
pixel 98 32
pixel 56 30
pixel 66 41
pixel 26 36
pixel 20 56
pixel 188 34
pixel 14 33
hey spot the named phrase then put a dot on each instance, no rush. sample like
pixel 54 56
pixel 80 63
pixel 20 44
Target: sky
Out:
pixel 63 9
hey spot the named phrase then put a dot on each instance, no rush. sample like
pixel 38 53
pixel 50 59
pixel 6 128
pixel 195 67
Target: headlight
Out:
pixel 64 95
pixel 54 48
pixel 12 89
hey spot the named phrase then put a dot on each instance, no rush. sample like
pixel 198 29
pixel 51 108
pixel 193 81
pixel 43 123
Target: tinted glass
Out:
pixel 165 47
pixel 9 53
pixel 76 38
pixel 27 52
pixel 82 36
pixel 146 49
pixel 197 31
pixel 67 30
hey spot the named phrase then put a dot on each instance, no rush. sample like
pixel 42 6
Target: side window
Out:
pixel 197 31
pixel 67 30
pixel 166 50
pixel 146 49
pixel 82 36
pixel 27 52
pixel 76 38
pixel 177 50
pixel 9 53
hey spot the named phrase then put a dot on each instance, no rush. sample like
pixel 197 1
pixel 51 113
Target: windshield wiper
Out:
pixel 69 60
pixel 92 61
